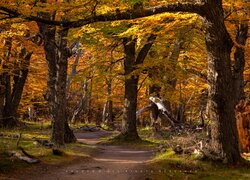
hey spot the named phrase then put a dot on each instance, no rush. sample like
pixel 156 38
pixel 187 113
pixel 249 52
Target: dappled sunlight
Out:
pixel 117 86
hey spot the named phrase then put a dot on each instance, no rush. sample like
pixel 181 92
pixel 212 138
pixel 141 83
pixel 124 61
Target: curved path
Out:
pixel 108 162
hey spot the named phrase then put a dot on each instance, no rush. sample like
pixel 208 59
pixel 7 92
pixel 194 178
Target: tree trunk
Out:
pixel 129 129
pixel 180 113
pixel 109 117
pixel 56 58
pixel 203 104
pixel 74 66
pixel 110 114
pixel 154 90
pixel 89 102
pixel 239 61
pixel 49 45
pixel 20 79
pixel 7 119
pixel 2 89
pixel 69 136
pixel 60 88
pixel 221 106
pixel 61 132
pixel 98 117
pixel 12 87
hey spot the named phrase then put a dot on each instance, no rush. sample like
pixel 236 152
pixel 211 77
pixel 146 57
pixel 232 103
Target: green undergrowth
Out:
pixel 118 139
pixel 91 124
pixel 172 166
pixel 32 131
pixel 147 139
pixel 81 124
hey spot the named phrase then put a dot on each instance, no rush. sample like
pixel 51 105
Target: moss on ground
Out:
pixel 117 139
pixel 169 165
pixel 8 143
pixel 166 165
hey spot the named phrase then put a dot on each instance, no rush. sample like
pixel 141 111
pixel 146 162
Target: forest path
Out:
pixel 107 162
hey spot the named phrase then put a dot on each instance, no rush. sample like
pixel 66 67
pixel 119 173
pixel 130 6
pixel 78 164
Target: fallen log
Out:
pixel 24 157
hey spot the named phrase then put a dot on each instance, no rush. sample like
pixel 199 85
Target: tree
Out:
pixel 57 54
pixel 108 107
pixel 239 64
pixel 13 75
pixel 219 46
pixel 129 130
pixel 57 60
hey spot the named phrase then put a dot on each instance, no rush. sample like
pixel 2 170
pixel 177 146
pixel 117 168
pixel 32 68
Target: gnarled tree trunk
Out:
pixel 57 61
pixel 221 106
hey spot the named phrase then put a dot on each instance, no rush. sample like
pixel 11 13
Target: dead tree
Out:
pixel 159 109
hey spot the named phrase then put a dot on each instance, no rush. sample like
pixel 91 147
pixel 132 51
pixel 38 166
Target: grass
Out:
pixel 166 165
pixel 169 165
pixel 119 140
pixel 8 143
pixel 172 166
pixel 137 143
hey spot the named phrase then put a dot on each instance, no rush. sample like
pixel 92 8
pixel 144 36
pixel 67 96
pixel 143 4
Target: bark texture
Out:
pixel 118 15
pixel 239 61
pixel 129 129
pixel 57 60
pixel 108 115
pixel 13 77
pixel 221 108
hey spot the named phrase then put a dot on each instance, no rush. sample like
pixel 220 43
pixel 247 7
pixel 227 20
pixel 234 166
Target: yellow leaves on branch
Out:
pixel 17 29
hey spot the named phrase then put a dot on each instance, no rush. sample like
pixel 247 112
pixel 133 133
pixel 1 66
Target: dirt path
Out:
pixel 109 162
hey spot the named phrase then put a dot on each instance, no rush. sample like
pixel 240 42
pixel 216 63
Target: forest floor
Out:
pixel 96 157
pixel 106 161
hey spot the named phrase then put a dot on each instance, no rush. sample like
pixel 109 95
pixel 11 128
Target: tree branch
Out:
pixel 145 49
pixel 112 16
